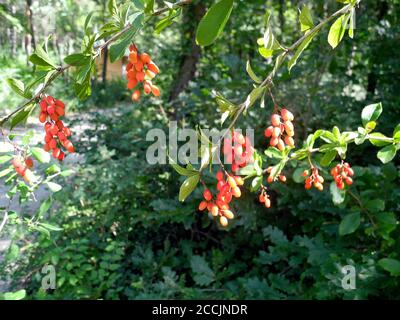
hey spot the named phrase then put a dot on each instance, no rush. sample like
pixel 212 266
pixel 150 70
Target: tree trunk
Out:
pixel 104 71
pixel 29 16
pixel 13 35
pixel 189 60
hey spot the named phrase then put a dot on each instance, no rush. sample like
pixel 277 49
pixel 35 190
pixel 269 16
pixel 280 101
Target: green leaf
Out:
pixel 256 183
pixel 306 21
pixel 41 58
pixel 117 50
pixel 375 205
pixel 387 153
pixel 266 53
pixel 41 155
pixel 18 87
pixel 349 224
pixel 378 143
pixel 77 59
pixel 391 265
pixel 50 227
pixel 18 295
pixel 338 196
pixel 44 207
pixel 328 158
pixel 5 158
pixel 293 60
pixel 273 152
pixel 188 186
pixel 182 171
pixel 5 172
pixel 213 22
pixel 149 8
pixel 337 30
pixel 352 23
pixel 139 4
pixel 54 187
pixel 251 73
pixel 254 96
pixel 203 275
pixel 371 113
pixel 21 116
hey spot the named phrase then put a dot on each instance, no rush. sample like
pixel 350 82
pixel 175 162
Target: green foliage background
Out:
pixel 126 236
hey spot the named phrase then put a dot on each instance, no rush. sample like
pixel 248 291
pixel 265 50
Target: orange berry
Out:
pixel 207 195
pixel 61 157
pixel 132 83
pixel 50 109
pixel 155 90
pixel 140 76
pixel 268 131
pixel 69 146
pixel 214 210
pixel 29 162
pixel 59 103
pixel 145 58
pixel 239 181
pixel 276 132
pixel 349 181
pixel 52 143
pixel 289 141
pixel 133 57
pixel 232 182
pixel 281 145
pixel 153 68
pixel 56 153
pixel 270 179
pixel 136 95
pixel 150 74
pixel 43 105
pixel 261 198
pixel 42 117
pixel 202 205
pixel 220 175
pixel 228 214
pixel 282 178
pixel 60 111
pixel 267 203
pixel 273 142
pixel 275 120
pixel 287 115
pixel 147 87
pixel 236 192
pixel 224 221
pixel 50 100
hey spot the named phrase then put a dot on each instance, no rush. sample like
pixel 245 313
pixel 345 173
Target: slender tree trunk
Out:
pixel 105 51
pixel 189 60
pixel 29 15
pixel 13 35
pixel 104 71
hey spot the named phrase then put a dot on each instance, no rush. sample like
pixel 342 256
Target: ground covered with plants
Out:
pixel 114 226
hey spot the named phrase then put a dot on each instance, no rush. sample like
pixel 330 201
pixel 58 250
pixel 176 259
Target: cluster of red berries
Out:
pixel 238 151
pixel 342 174
pixel 281 132
pixel 228 187
pixel 264 198
pixel 141 69
pixel 56 133
pixel 23 168
pixel 313 180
